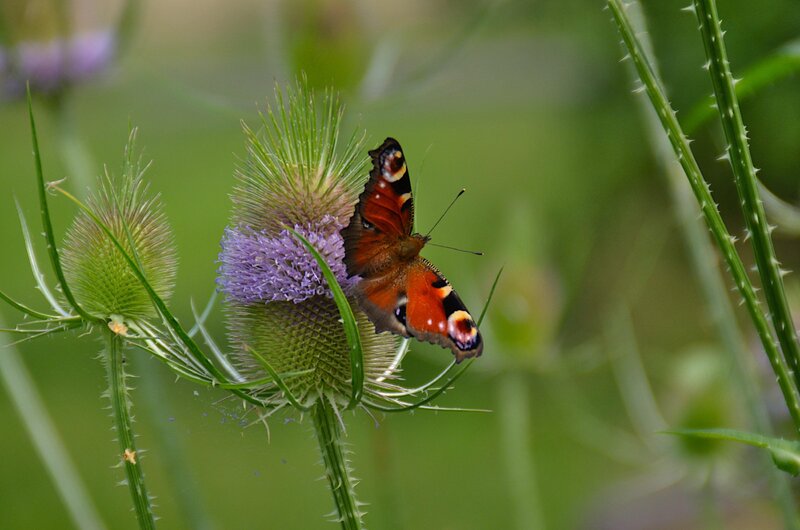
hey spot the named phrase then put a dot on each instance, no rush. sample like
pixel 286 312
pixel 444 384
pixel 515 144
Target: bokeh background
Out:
pixel 598 335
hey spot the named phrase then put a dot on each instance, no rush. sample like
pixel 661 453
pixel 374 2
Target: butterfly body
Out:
pixel 399 290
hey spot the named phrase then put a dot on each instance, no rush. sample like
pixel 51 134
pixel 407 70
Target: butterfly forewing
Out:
pixel 384 213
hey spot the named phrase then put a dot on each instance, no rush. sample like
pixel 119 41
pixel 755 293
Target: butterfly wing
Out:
pixel 384 213
pixel 435 313
pixel 419 302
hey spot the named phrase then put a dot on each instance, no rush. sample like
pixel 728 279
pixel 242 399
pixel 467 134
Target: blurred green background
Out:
pixel 524 103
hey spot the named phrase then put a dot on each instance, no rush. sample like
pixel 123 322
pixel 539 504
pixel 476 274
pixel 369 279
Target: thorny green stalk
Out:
pixel 725 242
pixel 337 470
pixel 723 317
pixel 738 154
pixel 120 407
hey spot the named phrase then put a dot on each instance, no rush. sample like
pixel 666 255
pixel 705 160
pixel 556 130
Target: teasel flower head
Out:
pixel 100 278
pixel 298 176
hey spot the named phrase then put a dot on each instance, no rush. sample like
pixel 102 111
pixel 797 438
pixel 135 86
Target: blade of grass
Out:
pixel 725 242
pixel 402 350
pixel 348 321
pixel 744 173
pixel 215 350
pixel 199 321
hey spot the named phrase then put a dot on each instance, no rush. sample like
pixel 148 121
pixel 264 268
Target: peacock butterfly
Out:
pixel 399 290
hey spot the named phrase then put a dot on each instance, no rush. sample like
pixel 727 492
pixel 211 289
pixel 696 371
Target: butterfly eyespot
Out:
pixel 400 313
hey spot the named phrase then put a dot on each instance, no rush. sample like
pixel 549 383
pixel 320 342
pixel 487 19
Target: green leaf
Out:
pixel 348 321
pixel 785 453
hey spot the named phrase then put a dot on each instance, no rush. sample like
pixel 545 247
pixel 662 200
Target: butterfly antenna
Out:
pixel 460 193
pixel 473 252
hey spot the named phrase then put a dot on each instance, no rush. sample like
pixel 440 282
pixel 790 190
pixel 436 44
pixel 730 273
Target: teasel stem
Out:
pixel 725 242
pixel 120 407
pixel 334 457
pixel 712 284
pixel 738 154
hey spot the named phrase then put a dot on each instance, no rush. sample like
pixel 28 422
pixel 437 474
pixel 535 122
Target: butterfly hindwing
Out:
pixel 435 313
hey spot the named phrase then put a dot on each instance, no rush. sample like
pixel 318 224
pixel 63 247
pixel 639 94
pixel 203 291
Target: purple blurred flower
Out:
pixel 256 267
pixel 90 53
pixel 40 62
pixel 49 66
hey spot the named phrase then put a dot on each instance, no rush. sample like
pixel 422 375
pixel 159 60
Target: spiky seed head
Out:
pixel 101 279
pixel 296 175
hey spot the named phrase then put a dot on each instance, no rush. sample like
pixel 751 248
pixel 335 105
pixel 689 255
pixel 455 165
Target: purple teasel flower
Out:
pixel 256 267
pixel 278 302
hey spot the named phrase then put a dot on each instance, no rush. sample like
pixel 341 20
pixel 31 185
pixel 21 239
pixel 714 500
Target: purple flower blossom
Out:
pixel 256 267
pixel 40 62
pixel 51 65
pixel 90 53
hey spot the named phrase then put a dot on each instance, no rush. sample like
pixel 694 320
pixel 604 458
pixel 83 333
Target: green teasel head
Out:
pixel 298 175
pixel 98 275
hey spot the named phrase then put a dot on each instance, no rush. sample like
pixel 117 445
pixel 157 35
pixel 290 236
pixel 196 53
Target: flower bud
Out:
pixel 98 274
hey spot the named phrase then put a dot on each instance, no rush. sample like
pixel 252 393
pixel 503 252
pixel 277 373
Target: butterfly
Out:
pixel 399 290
